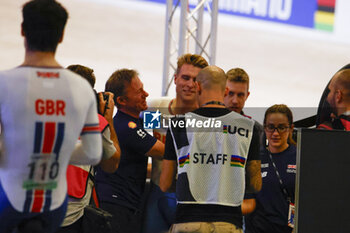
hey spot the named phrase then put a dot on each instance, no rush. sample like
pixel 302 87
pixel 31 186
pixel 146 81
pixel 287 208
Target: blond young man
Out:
pixel 160 208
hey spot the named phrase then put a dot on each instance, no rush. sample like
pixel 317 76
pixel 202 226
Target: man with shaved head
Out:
pixel 339 101
pixel 217 156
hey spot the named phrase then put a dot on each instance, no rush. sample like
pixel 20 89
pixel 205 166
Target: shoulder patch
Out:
pixel 132 125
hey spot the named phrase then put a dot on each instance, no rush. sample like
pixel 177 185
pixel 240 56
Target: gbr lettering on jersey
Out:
pixel 50 107
pixel 44 162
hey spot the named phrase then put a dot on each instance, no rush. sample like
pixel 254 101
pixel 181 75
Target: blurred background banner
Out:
pixel 317 14
pixel 286 63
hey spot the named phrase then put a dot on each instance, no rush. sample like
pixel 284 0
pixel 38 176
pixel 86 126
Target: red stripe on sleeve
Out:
pixel 329 3
pixel 93 128
pixel 38 201
pixel 49 137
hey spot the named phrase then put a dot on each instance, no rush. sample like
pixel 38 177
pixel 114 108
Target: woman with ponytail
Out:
pixel 278 169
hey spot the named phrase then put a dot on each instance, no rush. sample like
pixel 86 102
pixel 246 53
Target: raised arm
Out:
pixel 111 150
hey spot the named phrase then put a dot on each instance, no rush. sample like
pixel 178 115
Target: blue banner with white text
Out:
pixel 305 13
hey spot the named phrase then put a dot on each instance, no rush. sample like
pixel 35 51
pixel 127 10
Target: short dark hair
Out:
pixel 43 24
pixel 238 75
pixel 191 59
pixel 119 81
pixel 86 72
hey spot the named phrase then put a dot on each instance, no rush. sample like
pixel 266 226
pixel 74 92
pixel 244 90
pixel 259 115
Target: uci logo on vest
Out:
pixel 234 129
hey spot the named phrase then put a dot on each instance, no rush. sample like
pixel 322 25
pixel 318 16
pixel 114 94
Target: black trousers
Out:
pixel 76 227
pixel 125 220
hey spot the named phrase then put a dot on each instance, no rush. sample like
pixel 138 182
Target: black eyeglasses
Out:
pixel 280 128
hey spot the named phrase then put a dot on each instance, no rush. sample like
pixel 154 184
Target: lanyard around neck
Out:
pixel 285 192
pixel 213 102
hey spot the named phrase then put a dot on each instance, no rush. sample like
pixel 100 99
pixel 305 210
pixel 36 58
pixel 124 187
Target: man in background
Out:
pixel 80 177
pixel 238 91
pixel 339 101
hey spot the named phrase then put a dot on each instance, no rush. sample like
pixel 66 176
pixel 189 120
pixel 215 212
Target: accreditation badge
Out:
pixel 291 215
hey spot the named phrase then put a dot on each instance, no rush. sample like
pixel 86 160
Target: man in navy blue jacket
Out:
pixel 120 193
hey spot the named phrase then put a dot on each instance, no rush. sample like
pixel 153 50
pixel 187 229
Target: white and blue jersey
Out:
pixel 43 113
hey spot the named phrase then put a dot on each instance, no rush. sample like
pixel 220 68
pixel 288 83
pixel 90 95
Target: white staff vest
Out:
pixel 211 160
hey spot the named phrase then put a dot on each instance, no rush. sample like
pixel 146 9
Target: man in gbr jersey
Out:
pixel 42 116
pixel 215 165
pixel 160 208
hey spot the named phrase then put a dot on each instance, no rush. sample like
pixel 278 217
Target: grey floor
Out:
pixel 111 34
